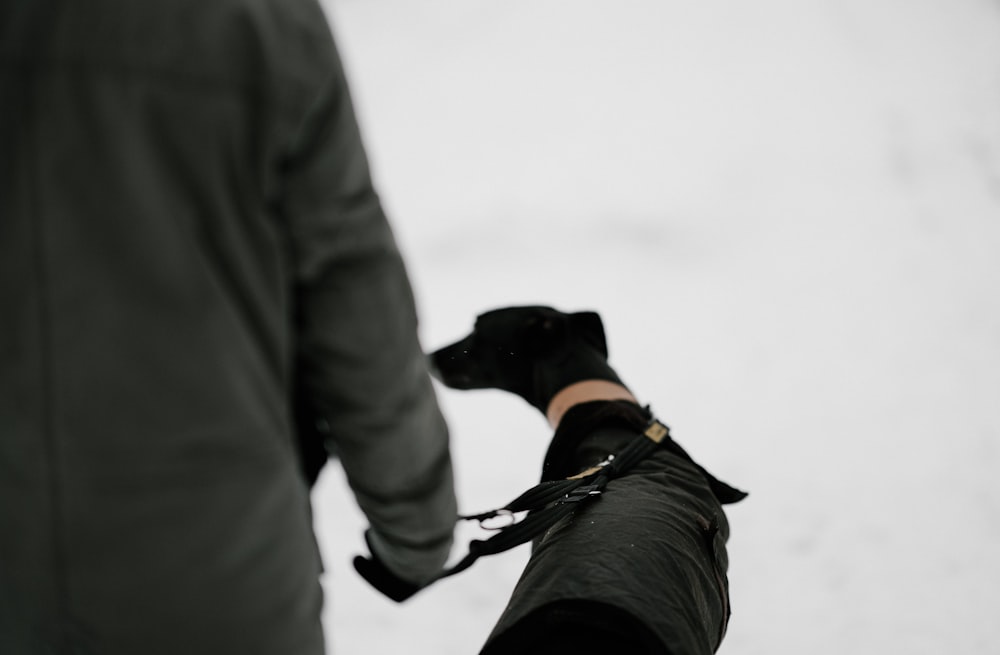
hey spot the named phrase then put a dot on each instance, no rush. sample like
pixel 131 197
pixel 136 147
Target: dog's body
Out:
pixel 641 569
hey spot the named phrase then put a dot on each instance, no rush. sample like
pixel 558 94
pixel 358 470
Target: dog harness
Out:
pixel 549 502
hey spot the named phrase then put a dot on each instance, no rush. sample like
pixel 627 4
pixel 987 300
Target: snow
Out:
pixel 788 215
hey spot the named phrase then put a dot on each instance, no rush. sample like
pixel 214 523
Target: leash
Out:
pixel 549 502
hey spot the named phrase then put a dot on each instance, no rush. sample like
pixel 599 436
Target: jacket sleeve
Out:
pixel 359 364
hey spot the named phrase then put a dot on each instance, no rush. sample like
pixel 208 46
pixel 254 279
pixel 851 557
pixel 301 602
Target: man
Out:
pixel 191 256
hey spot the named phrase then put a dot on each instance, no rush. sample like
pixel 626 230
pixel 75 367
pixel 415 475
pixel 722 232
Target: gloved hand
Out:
pixel 379 576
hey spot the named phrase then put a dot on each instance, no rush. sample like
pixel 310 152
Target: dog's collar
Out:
pixel 582 392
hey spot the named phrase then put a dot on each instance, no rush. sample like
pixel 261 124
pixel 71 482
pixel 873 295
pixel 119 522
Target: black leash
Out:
pixel 549 502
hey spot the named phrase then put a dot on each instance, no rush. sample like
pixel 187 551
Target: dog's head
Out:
pixel 531 351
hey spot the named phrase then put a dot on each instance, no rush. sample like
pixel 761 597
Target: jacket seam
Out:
pixel 47 404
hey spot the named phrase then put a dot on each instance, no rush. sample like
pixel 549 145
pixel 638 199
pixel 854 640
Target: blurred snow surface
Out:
pixel 788 215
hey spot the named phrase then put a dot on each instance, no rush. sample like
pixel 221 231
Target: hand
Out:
pixel 379 576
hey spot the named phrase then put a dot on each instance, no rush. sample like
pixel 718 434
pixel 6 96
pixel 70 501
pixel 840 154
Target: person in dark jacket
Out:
pixel 192 256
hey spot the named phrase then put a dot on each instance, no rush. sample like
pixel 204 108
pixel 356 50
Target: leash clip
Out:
pixel 581 493
pixel 506 520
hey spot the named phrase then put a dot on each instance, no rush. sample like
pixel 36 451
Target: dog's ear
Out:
pixel 589 326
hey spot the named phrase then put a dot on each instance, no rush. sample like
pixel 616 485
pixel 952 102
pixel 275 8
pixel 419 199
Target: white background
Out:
pixel 787 213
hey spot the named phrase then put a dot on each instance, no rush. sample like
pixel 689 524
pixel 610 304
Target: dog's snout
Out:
pixel 450 365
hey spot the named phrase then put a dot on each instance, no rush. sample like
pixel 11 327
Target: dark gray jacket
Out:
pixel 190 246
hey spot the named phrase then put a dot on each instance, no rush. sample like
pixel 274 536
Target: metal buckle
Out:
pixel 581 493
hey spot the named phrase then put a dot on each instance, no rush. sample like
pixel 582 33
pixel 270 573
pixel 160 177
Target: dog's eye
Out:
pixel 537 325
pixel 534 323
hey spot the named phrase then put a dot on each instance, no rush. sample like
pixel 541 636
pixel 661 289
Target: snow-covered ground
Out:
pixel 788 214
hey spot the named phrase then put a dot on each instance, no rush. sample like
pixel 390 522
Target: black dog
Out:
pixel 641 569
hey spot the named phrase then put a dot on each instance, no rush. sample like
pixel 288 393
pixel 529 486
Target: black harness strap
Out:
pixel 549 502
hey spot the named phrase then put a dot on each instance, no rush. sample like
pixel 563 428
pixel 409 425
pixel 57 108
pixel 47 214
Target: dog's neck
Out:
pixel 582 392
